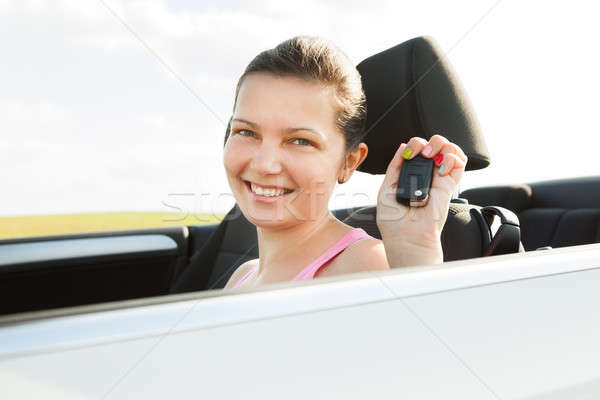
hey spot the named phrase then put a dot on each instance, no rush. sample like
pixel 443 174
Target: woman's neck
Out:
pixel 277 247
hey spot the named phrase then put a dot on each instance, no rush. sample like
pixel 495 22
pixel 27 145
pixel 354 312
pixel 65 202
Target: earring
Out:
pixel 341 180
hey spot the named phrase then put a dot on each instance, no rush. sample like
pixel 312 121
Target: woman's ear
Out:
pixel 352 160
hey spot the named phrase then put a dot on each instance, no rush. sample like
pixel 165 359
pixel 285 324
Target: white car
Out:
pixel 518 326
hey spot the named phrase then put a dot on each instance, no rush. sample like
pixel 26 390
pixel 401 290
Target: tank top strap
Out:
pixel 354 235
pixel 245 276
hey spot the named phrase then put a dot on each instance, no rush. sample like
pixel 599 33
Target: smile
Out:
pixel 267 191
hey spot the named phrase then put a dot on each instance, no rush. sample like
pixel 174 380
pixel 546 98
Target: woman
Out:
pixel 296 130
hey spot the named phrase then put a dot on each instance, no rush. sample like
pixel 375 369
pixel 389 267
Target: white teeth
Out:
pixel 266 191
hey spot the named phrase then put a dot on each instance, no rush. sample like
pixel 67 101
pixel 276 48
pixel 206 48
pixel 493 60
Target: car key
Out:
pixel 414 183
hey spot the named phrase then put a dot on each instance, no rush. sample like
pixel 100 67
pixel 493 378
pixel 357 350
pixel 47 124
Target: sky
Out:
pixel 121 105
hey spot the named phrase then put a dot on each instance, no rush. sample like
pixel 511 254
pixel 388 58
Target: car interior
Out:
pixel 557 213
pixel 411 90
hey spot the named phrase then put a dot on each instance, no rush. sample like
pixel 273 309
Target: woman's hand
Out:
pixel 412 235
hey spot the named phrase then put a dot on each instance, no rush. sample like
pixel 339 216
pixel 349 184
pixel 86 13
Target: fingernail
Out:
pixel 441 169
pixel 407 153
pixel 438 159
pixel 427 150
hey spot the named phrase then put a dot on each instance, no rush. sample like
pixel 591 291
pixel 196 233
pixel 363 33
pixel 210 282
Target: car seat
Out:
pixel 558 213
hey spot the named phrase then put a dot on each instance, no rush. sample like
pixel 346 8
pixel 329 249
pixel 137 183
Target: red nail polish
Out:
pixel 438 159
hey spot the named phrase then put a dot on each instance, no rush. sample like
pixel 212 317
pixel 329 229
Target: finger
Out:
pixel 450 162
pixel 454 149
pixel 415 144
pixel 449 148
pixel 457 174
pixel 446 165
pixel 458 151
pixel 393 169
pixel 434 146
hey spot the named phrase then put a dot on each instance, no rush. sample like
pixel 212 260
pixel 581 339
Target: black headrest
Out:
pixel 412 90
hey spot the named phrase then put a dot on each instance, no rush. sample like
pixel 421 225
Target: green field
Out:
pixel 36 225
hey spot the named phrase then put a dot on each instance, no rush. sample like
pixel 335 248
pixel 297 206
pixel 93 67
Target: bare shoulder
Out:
pixel 240 272
pixel 363 255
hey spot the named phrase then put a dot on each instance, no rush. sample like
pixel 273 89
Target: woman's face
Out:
pixel 284 153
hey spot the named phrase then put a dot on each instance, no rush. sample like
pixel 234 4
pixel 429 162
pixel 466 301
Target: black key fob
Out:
pixel 414 182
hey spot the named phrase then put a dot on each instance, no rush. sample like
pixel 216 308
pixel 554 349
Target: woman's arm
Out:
pixel 412 235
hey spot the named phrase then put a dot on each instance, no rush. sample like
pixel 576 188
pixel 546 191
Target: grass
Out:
pixel 37 225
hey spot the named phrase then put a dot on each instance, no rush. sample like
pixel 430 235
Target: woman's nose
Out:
pixel 267 160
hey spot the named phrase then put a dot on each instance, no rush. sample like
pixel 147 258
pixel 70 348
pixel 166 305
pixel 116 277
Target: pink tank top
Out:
pixel 310 271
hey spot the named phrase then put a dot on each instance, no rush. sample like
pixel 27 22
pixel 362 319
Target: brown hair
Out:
pixel 314 59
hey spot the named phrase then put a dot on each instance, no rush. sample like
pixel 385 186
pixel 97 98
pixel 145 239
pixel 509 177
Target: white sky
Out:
pixel 91 120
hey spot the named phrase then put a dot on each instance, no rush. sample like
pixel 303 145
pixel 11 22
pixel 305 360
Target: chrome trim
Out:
pixel 52 250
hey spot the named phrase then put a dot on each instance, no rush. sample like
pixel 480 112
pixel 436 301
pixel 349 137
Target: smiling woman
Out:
pixel 298 121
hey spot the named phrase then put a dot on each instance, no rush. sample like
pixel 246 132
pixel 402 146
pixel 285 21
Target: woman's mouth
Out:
pixel 267 191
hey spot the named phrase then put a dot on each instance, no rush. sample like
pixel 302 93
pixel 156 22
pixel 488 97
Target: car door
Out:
pixel 69 270
pixel 517 326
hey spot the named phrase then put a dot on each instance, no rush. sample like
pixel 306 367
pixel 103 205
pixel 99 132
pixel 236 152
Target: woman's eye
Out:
pixel 245 132
pixel 302 142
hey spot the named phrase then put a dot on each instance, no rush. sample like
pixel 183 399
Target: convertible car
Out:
pixel 512 313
